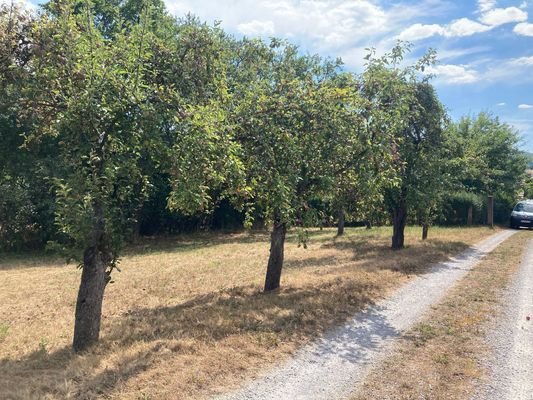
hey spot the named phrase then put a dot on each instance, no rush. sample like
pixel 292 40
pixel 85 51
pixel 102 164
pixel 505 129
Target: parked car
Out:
pixel 522 214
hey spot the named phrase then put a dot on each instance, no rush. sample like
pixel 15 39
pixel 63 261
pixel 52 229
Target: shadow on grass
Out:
pixel 202 240
pixel 136 340
pixel 36 259
pixel 191 242
pixel 416 259
pixel 145 245
pixel 309 262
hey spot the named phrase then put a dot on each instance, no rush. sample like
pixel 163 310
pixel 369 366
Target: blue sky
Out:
pixel 485 47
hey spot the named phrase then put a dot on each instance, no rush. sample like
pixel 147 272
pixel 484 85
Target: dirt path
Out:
pixel 333 366
pixel 511 365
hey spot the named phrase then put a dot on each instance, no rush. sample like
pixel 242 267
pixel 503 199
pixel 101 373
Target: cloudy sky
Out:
pixel 485 47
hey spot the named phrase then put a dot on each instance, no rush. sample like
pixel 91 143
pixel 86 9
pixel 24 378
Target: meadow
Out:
pixel 186 317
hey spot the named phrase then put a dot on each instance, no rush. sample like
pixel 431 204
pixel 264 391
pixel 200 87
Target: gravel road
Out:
pixel 511 364
pixel 331 367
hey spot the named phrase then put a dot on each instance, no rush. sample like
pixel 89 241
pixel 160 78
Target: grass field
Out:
pixel 186 318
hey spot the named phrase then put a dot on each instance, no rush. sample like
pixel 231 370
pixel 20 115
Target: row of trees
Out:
pixel 111 109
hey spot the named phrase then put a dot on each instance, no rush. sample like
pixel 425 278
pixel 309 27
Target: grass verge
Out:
pixel 440 357
pixel 186 318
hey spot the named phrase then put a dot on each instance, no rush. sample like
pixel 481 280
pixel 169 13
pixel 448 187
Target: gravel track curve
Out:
pixel 331 367
pixel 511 340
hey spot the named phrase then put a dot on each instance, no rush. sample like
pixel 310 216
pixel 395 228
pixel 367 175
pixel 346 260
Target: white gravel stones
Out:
pixel 331 367
pixel 511 339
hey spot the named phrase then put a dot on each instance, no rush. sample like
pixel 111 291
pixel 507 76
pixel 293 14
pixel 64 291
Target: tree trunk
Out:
pixel 340 223
pixel 94 278
pixel 470 215
pixel 399 219
pixel 425 228
pixel 90 298
pixel 490 211
pixel 275 260
pixel 368 224
pixel 136 231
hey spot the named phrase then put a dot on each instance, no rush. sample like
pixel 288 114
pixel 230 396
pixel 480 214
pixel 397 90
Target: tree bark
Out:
pixel 275 260
pixel 340 223
pixel 136 231
pixel 90 298
pixel 399 219
pixel 425 229
pixel 94 278
pixel 470 215
pixel 490 211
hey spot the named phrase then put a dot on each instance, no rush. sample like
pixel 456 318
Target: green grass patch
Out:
pixel 4 328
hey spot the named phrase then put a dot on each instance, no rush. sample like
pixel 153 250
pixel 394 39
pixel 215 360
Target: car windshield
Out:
pixel 526 207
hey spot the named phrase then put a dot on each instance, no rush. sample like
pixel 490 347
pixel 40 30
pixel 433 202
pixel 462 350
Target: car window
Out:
pixel 527 207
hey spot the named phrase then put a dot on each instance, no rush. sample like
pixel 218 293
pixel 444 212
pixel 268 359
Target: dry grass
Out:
pixel 186 319
pixel 439 358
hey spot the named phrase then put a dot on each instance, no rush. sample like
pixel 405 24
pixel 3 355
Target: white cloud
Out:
pixel 500 104
pixel 458 28
pixel 486 5
pixel 525 106
pixel 419 31
pixel 465 27
pixel 500 16
pixel 490 18
pixel 512 71
pixel 455 52
pixel 321 22
pixel 328 27
pixel 324 25
pixel 522 61
pixel 524 29
pixel 257 28
pixel 455 74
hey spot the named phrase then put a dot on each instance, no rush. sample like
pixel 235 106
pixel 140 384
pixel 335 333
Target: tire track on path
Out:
pixel 332 366
pixel 511 339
